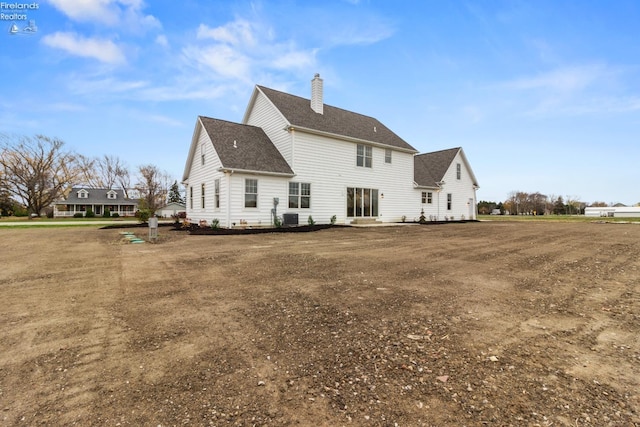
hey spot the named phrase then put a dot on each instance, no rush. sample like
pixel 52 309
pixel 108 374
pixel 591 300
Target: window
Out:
pixel 362 202
pixel 216 199
pixel 202 195
pixel 190 197
pixel 448 201
pixel 250 193
pixel 82 194
pixel 111 195
pixel 387 155
pixel 202 151
pixel 458 170
pixel 299 195
pixel 363 156
pixel 427 197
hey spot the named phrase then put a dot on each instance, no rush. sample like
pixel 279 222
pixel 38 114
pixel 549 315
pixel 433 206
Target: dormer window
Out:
pixel 111 195
pixel 83 194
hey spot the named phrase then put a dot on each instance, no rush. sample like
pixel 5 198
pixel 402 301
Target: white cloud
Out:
pixel 103 50
pixel 236 33
pixel 108 86
pixel 240 49
pixel 567 79
pixel 162 40
pixel 221 59
pixel 88 10
pixel 127 14
pixel 573 90
pixel 294 59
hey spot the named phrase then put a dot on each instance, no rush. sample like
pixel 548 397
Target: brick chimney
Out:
pixel 316 94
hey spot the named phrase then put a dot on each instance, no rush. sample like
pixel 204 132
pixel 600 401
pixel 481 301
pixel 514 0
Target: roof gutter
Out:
pixel 347 138
pixel 254 172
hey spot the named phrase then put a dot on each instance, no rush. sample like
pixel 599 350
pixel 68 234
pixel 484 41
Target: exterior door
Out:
pixel 362 202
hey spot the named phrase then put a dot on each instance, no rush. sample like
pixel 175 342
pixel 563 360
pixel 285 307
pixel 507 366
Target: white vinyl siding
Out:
pixel 463 197
pixel 265 115
pixel 328 165
pixel 199 174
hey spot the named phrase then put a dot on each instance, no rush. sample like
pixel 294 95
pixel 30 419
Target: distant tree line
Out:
pixel 523 203
pixel 37 171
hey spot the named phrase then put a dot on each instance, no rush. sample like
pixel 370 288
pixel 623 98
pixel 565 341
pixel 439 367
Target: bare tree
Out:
pixel 152 187
pixel 36 169
pixel 573 204
pixel 106 172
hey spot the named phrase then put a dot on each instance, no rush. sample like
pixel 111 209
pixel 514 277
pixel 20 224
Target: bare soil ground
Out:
pixel 505 324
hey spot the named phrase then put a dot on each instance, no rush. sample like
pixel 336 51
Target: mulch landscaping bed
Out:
pixel 195 229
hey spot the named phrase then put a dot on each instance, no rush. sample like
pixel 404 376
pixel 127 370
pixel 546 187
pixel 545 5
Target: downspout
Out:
pixel 228 215
pixel 475 202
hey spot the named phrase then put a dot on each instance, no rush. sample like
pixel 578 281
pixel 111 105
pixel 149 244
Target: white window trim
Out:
pixel 245 193
pixel 366 149
pixel 299 195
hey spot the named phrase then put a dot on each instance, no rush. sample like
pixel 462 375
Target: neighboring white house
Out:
pixel 294 156
pixel 98 200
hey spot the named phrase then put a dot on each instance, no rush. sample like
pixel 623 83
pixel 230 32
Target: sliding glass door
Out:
pixel 362 202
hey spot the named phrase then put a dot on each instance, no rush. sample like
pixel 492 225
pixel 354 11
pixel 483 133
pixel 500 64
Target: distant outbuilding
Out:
pixel 171 209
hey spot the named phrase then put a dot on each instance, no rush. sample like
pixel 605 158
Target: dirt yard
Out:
pixel 502 324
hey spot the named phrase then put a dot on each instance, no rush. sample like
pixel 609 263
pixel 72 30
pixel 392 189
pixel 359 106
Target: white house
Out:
pixel 293 156
pixel 98 200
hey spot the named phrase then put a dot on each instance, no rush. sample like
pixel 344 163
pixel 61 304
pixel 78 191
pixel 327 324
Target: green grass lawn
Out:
pixel 25 222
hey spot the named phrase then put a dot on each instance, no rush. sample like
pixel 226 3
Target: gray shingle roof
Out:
pixel 429 168
pixel 97 196
pixel 297 111
pixel 253 150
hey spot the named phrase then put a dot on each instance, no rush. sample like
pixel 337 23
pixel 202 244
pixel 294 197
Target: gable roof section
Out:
pixel 429 168
pixel 334 121
pixel 244 147
pixel 97 196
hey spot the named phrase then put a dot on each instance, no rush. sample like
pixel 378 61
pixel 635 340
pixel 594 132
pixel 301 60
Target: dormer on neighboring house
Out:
pixel 83 194
pixel 112 195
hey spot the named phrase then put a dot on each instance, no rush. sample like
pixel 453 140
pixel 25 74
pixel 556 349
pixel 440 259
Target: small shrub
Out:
pixel 115 215
pixel 50 214
pixel 78 215
pixel 310 220
pixel 333 220
pixel 277 221
pixel 403 218
pixel 423 219
pixel 90 214
pixel 215 223
pixel 106 214
pixel 143 215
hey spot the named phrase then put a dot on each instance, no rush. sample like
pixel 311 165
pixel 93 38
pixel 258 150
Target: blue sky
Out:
pixel 542 95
